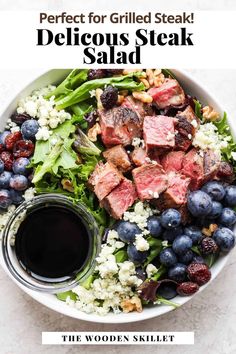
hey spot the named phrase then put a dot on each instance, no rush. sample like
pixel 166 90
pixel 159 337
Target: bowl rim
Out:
pixel 50 300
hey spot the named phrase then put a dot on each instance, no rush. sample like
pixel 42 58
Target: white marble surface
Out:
pixel 211 314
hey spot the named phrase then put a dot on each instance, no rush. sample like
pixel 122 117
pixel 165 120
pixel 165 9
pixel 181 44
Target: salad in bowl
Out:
pixel 150 161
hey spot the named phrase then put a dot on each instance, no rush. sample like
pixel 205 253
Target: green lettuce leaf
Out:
pixel 73 80
pixel 82 93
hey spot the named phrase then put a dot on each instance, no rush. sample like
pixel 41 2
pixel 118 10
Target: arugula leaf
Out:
pixel 161 271
pixel 155 248
pixel 121 256
pixel 87 283
pixel 74 79
pixel 211 259
pixel 84 145
pixel 167 73
pixel 224 130
pixel 198 108
pixel 41 170
pixel 63 296
pixel 82 93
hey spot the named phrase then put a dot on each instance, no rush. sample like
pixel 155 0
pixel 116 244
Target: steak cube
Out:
pixel 150 180
pixel 104 179
pixel 119 125
pixel 173 161
pixel 118 157
pixel 158 133
pixel 189 114
pixel 193 167
pixel 169 93
pixel 142 109
pixel 211 163
pixel 120 199
pixel 138 156
pixel 176 193
pixel 184 133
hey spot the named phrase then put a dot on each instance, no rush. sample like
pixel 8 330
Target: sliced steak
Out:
pixel 120 199
pixel 169 93
pixel 104 179
pixel 118 156
pixel 173 161
pixel 138 156
pixel 119 125
pixel 184 132
pixel 142 109
pixel 176 194
pixel 225 172
pixel 189 114
pixel 211 162
pixel 158 133
pixel 149 180
pixel 193 167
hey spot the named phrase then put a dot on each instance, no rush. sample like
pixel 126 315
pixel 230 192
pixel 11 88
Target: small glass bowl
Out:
pixel 41 284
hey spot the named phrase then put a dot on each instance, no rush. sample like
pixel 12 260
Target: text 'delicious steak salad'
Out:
pixel 153 165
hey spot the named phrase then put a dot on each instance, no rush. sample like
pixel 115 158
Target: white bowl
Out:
pixel 53 77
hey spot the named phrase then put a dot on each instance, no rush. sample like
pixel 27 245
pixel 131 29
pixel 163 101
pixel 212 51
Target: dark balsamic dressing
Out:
pixel 52 242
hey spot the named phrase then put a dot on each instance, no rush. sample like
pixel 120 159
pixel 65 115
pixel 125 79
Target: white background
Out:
pixel 210 314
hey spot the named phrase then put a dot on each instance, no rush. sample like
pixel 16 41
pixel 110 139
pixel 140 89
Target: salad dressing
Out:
pixel 52 242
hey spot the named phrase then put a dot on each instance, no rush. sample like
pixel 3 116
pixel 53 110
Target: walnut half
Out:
pixel 208 113
pixel 132 304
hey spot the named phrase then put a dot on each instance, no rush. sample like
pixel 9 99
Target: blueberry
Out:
pixel 215 190
pixel 135 256
pixel 167 290
pixel 216 210
pixel 19 166
pixel 5 179
pixel 224 238
pixel 227 217
pixel 198 259
pixel 199 203
pixel 186 258
pixel 1 166
pixel 154 226
pixel 127 231
pixel 29 129
pixel 230 196
pixel 140 273
pixel 168 257
pixel 194 232
pixel 5 199
pixel 182 244
pixel 170 235
pixel 178 272
pixel 18 182
pixel 16 197
pixel 3 136
pixel 170 218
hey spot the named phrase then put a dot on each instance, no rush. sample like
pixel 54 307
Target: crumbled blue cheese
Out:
pixel 115 284
pixel 141 243
pixel 151 270
pixel 233 154
pixel 44 110
pixel 139 215
pixel 207 137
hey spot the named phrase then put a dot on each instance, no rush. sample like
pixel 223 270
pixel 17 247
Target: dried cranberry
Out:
pixel 199 273
pixel 109 97
pixel 111 72
pixel 7 159
pixel 96 74
pixel 20 118
pixel 187 288
pixel 208 246
pixel 23 148
pixel 225 172
pixel 11 139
